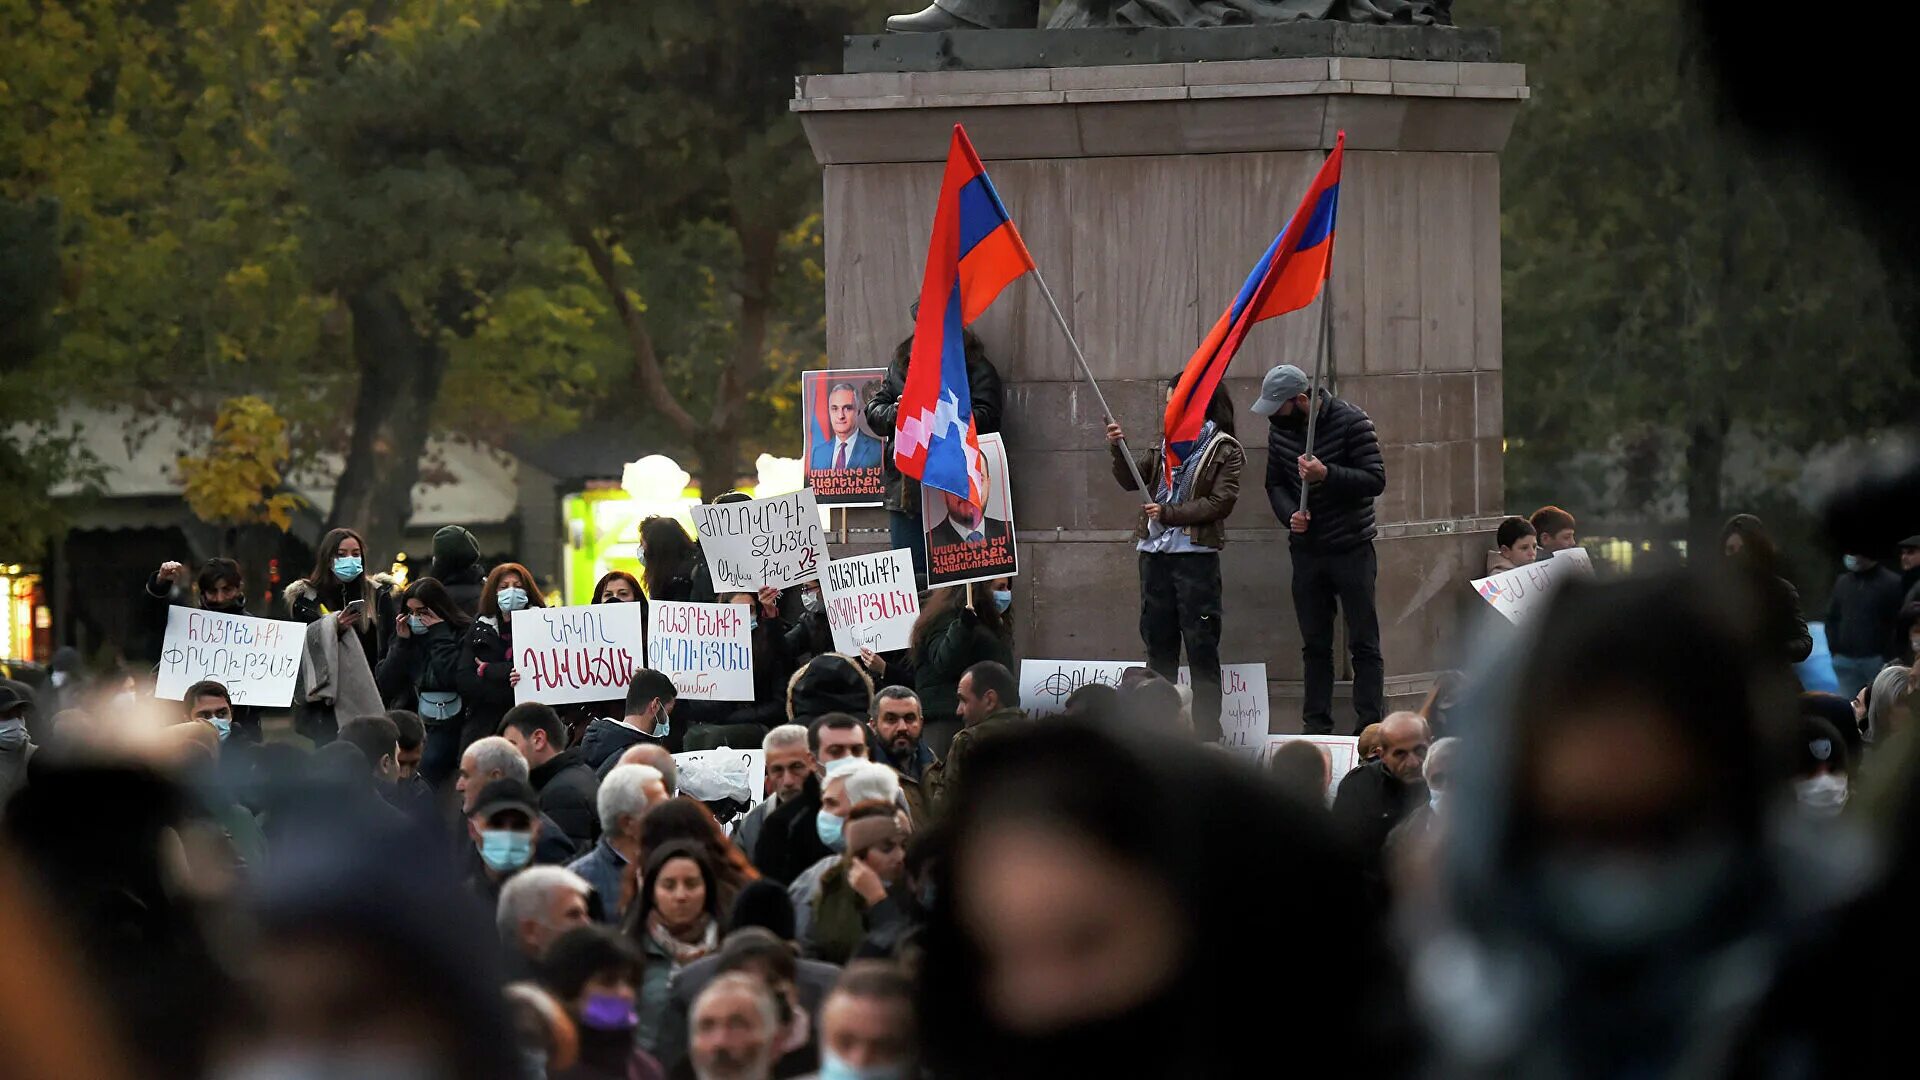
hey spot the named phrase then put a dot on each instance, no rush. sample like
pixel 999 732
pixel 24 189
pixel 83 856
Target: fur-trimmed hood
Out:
pixel 304 589
pixel 830 682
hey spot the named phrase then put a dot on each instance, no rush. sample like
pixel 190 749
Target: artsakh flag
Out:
pixel 975 253
pixel 1286 278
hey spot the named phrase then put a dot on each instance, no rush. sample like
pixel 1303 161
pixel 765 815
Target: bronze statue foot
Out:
pixel 968 15
pixel 931 19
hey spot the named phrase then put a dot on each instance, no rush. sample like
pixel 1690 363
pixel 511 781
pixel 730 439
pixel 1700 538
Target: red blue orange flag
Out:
pixel 975 253
pixel 1286 278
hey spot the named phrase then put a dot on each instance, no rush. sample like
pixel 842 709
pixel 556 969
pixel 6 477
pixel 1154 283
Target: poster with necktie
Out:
pixel 972 543
pixel 842 454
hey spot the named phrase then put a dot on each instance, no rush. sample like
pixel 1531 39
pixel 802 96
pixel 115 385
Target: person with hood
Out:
pixel 647 717
pixel 66 684
pixel 1181 530
pixel 959 626
pixel 456 565
pixel 830 683
pixel 1083 925
pixel 16 747
pixel 1755 561
pixel 421 671
pixel 1331 541
pixel 1861 616
pixel 1515 545
pixel 568 789
pixel 1618 895
pixel 486 672
pixel 596 974
pixel 676 919
pixel 902 499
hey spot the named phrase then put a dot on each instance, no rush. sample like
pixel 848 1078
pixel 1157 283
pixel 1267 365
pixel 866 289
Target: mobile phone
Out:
pixel 356 608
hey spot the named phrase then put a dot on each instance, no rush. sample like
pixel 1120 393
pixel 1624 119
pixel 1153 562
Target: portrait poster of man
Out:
pixel 841 453
pixel 968 543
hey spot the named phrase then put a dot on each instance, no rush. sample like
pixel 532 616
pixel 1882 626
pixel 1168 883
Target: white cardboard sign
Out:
pixel 257 660
pixel 774 541
pixel 706 649
pixel 1244 712
pixel 568 654
pixel 1045 685
pixel 871 601
pixel 1518 592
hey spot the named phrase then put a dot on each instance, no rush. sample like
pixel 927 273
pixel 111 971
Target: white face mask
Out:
pixel 1822 796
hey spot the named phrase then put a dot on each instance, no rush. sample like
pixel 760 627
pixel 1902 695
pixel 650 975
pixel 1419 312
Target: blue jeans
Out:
pixel 906 531
pixel 1854 672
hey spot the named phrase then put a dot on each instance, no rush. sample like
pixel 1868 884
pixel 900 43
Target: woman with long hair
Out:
pixel 1751 554
pixel 684 820
pixel 421 671
pixel 360 606
pixel 668 557
pixel 487 674
pixel 959 626
pixel 677 920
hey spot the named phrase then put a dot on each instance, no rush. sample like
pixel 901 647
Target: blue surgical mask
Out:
pixel 505 850
pixel 753 622
pixel 1853 563
pixel 831 830
pixel 13 734
pixel 812 601
pixel 223 725
pixel 416 624
pixel 832 1067
pixel 347 567
pixel 1002 599
pixel 511 599
pixel 662 725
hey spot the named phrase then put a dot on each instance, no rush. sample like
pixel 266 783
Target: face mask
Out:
pixel 1821 796
pixel 1433 800
pixel 13 735
pixel 505 849
pixel 223 725
pixel 1853 563
pixel 662 726
pixel 1002 599
pixel 59 679
pixel 511 599
pixel 416 624
pixel 753 622
pixel 607 1012
pixel 831 830
pixel 833 1068
pixel 347 567
pixel 1620 904
pixel 235 606
pixel 812 601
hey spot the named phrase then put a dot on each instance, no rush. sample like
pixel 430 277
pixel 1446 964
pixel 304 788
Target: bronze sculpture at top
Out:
pixel 1081 14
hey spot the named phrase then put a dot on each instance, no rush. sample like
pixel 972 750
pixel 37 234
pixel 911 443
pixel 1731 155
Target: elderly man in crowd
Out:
pixel 789 763
pixel 536 906
pixel 734 1025
pixel 623 799
pixel 493 759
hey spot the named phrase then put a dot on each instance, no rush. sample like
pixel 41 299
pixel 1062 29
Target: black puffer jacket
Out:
pixel 903 494
pixel 1342 504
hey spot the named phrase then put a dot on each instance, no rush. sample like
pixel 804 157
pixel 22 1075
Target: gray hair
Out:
pixel 662 760
pixel 1441 748
pixel 1890 688
pixel 891 693
pixel 527 894
pixel 871 780
pixel 744 983
pixel 785 737
pixel 495 754
pixel 624 794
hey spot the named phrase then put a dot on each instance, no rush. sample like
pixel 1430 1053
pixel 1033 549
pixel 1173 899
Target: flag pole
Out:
pixel 1146 492
pixel 1321 348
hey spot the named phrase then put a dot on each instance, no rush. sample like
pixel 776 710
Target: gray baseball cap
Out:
pixel 1282 384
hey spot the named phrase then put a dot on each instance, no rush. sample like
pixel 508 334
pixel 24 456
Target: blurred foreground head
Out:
pixel 1111 905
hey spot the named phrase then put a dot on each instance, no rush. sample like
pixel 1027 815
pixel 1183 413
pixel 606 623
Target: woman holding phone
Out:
pixel 487 675
pixel 340 586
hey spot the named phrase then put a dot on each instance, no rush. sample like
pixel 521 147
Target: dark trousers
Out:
pixel 1180 600
pixel 1318 582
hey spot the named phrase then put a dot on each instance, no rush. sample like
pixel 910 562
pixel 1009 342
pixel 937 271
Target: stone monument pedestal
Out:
pixel 1146 192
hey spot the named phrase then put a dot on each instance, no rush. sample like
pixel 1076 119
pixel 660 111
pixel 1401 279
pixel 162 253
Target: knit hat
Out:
pixel 1819 744
pixel 453 545
pixel 864 833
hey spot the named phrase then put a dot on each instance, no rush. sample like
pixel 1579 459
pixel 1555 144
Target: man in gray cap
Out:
pixel 1332 535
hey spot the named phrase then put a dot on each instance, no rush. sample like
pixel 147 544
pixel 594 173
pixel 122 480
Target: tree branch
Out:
pixel 646 362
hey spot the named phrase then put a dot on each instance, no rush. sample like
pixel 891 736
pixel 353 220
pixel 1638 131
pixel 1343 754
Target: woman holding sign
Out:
pixel 421 672
pixel 487 676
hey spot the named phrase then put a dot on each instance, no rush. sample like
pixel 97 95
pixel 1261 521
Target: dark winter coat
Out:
pixel 464 586
pixel 568 794
pixel 833 682
pixel 1370 803
pixel 956 642
pixel 308 603
pixel 1216 488
pixel 983 380
pixel 1864 612
pixel 429 661
pixel 605 741
pixel 1342 504
pixel 808 637
pixel 486 694
pixel 789 841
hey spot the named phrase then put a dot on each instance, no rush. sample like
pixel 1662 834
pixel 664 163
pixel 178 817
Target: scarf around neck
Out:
pixel 1182 488
pixel 681 952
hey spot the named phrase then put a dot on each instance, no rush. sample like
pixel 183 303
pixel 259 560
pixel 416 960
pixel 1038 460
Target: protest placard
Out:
pixel 842 454
pixel 706 649
pixel 871 601
pixel 1243 706
pixel 1518 592
pixel 567 654
pixel 774 541
pixel 966 542
pixel 1342 753
pixel 1045 685
pixel 724 773
pixel 257 660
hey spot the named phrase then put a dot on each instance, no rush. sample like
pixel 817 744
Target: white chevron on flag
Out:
pixel 918 432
